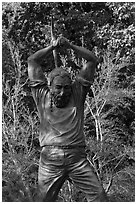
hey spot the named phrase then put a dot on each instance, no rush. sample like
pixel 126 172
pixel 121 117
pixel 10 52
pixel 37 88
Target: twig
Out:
pixel 110 183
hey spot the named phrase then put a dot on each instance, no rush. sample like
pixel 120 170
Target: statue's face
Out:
pixel 61 91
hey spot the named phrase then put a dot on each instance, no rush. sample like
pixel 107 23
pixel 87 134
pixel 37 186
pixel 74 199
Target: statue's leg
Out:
pixel 83 176
pixel 49 193
pixel 51 175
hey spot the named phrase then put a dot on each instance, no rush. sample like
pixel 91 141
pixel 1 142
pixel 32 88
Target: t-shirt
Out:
pixel 61 126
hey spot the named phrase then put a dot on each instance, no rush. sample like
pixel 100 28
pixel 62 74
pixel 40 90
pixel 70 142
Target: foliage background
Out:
pixel 106 28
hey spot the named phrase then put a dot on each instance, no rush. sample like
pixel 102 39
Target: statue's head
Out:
pixel 60 87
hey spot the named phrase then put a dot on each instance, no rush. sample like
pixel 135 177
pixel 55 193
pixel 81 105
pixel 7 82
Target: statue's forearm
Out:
pixel 84 53
pixel 37 56
pixel 34 68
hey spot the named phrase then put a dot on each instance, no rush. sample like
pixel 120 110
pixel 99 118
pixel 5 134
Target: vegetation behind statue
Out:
pixel 108 29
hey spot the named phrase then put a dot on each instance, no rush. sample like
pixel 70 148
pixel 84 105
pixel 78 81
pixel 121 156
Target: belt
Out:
pixel 65 146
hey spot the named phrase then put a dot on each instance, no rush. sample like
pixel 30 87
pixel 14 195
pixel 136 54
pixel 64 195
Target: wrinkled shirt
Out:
pixel 61 126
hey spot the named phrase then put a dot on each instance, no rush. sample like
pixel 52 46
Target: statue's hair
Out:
pixel 58 72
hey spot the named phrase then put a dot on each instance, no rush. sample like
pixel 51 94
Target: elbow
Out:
pixel 30 62
pixel 30 59
pixel 93 61
pixel 33 60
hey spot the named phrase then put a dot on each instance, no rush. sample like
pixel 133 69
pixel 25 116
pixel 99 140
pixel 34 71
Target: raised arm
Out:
pixel 84 53
pixel 87 71
pixel 34 68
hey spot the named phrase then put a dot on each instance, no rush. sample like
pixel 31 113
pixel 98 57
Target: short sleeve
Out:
pixel 38 83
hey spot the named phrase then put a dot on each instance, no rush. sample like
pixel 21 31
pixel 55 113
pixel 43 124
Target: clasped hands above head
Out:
pixel 61 42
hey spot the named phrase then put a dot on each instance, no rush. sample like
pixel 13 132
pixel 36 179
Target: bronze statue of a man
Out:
pixel 60 103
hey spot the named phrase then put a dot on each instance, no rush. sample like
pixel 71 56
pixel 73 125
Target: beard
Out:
pixel 61 101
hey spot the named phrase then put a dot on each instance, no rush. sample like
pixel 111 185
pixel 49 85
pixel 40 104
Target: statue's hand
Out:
pixel 60 42
pixel 55 43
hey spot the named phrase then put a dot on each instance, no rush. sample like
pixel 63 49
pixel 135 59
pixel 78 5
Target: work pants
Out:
pixel 58 164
